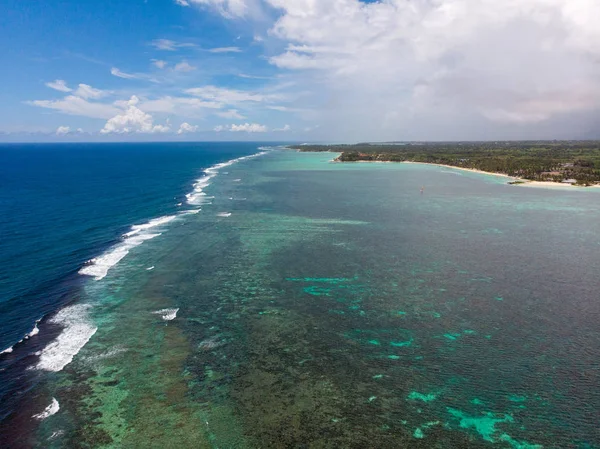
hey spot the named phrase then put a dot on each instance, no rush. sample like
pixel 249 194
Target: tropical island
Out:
pixel 567 162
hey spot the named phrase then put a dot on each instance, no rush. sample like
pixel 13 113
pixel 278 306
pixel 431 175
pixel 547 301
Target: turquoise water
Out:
pixel 315 304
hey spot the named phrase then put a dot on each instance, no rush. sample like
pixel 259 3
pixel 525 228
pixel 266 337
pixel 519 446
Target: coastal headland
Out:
pixel 527 163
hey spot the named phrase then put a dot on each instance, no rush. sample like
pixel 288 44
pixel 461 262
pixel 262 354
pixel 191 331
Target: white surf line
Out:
pixel 27 336
pixel 48 411
pixel 78 329
pixel 197 196
pixel 98 267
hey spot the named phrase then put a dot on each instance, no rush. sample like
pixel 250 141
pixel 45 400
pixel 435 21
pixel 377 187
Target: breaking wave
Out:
pixel 77 330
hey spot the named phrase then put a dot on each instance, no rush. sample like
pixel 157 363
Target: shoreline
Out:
pixel 522 182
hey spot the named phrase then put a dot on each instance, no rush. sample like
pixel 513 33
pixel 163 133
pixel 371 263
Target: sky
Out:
pixel 299 70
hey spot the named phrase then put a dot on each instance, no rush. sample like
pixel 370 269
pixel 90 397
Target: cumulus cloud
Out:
pixel 182 2
pixel 62 130
pixel 399 67
pixel 59 85
pixel 245 127
pixel 132 119
pixel 285 128
pixel 187 128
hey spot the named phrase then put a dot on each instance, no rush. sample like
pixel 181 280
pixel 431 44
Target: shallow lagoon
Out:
pixel 337 306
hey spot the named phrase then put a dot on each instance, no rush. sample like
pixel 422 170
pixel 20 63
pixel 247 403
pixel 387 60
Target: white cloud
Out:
pixel 62 130
pixel 187 128
pixel 227 96
pixel 159 63
pixel 180 106
pixel 253 77
pixel 118 73
pixel 231 114
pixel 59 85
pixel 283 129
pixel 246 127
pixel 74 105
pixel 443 68
pixel 132 119
pixel 87 91
pixel 169 45
pixel 228 8
pixel 182 2
pixel 225 50
pixel 184 67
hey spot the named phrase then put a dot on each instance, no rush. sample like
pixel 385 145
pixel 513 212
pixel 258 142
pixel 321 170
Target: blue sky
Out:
pixel 338 70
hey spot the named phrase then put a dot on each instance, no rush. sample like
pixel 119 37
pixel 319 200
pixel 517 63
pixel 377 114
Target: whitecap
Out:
pixel 150 268
pixel 224 214
pixel 167 314
pixel 76 333
pixel 48 411
pixel 197 196
pixel 7 350
pixel 33 332
pixel 99 266
pixel 136 229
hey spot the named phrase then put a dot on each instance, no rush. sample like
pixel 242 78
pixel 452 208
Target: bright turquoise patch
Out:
pixel 483 425
pixel 401 344
pixel 418 433
pixel 451 336
pixel 416 396
pixel 317 291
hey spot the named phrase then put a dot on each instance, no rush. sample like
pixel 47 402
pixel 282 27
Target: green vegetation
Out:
pixel 558 161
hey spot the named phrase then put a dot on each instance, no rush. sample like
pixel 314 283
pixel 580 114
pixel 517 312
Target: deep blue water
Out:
pixel 63 204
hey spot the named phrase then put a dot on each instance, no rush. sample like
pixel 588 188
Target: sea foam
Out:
pixel 99 266
pixel 198 196
pixel 167 314
pixel 48 411
pixel 77 331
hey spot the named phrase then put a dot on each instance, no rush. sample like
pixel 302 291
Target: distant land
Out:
pixel 568 162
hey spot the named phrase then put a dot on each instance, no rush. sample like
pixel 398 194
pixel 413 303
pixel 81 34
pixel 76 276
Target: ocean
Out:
pixel 240 295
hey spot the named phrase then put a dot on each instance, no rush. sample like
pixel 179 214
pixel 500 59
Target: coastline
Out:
pixel 522 182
